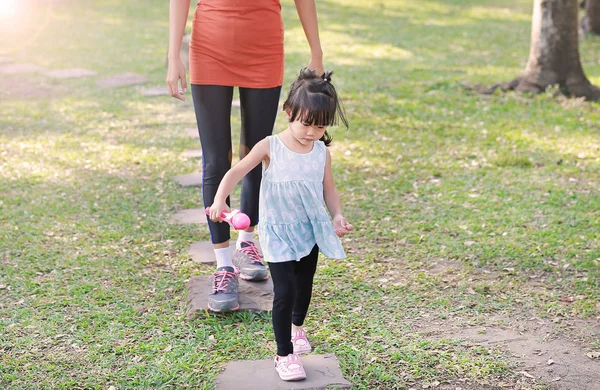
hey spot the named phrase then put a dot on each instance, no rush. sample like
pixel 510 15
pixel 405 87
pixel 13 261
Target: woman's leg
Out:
pixel 284 289
pixel 304 275
pixel 212 104
pixel 259 108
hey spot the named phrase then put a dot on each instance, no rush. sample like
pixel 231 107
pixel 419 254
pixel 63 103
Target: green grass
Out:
pixel 501 191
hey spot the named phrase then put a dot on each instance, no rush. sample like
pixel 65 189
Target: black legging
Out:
pixel 212 104
pixel 292 287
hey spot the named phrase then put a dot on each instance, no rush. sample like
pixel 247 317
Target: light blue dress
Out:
pixel 292 214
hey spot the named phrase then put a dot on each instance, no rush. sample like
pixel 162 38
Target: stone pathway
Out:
pixel 70 73
pixel 189 180
pixel 122 80
pixel 254 296
pixel 193 153
pixel 11 68
pixel 192 132
pixel 322 372
pixel 203 252
pixel 155 91
pixel 7 66
pixel 14 89
pixel 189 216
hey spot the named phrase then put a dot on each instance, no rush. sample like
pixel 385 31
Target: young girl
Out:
pixel 294 225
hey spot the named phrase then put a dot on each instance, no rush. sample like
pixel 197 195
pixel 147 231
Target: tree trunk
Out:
pixel 591 21
pixel 554 52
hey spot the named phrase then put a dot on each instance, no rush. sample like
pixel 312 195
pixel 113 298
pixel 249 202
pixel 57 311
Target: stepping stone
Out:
pixel 203 252
pixel 155 91
pixel 191 180
pixel 322 372
pixel 193 153
pixel 20 68
pixel 254 296
pixel 189 216
pixel 70 73
pixel 5 60
pixel 13 88
pixel 122 80
pixel 192 132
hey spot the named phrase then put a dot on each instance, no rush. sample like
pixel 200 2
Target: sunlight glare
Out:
pixel 9 8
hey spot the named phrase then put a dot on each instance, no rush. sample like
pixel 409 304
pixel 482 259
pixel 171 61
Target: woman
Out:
pixel 234 43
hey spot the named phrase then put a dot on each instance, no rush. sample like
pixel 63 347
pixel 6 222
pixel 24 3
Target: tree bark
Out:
pixel 554 52
pixel 591 21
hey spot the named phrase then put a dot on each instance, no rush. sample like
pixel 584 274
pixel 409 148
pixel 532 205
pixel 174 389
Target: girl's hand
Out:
pixel 176 75
pixel 216 210
pixel 316 64
pixel 341 226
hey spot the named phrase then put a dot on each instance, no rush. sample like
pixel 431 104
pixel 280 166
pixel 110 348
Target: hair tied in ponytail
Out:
pixel 327 76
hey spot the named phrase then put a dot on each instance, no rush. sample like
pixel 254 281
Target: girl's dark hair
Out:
pixel 314 100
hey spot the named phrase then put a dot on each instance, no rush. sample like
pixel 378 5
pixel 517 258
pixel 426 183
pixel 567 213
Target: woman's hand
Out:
pixel 341 226
pixel 217 209
pixel 175 76
pixel 316 64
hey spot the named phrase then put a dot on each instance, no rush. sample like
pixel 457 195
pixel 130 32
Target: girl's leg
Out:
pixel 212 104
pixel 284 288
pixel 304 275
pixel 259 108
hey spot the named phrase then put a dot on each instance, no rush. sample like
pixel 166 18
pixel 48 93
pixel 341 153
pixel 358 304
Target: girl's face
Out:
pixel 306 133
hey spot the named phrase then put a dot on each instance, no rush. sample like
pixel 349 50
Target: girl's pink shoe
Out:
pixel 290 368
pixel 300 342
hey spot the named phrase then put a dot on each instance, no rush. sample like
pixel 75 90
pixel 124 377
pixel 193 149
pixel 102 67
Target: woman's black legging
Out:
pixel 292 287
pixel 212 104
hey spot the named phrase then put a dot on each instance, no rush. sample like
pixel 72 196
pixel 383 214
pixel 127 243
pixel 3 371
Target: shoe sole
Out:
pixel 291 378
pixel 223 311
pixel 297 352
pixel 253 278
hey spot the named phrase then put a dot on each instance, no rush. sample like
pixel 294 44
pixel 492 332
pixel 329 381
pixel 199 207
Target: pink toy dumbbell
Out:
pixel 236 219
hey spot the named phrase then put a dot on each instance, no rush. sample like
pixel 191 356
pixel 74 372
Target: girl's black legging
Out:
pixel 212 104
pixel 292 286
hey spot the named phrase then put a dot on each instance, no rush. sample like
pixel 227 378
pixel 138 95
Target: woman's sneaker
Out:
pixel 290 368
pixel 300 342
pixel 225 290
pixel 248 260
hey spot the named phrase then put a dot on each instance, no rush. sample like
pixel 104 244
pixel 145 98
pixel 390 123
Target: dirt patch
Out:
pixel 541 355
pixel 443 266
pixel 546 353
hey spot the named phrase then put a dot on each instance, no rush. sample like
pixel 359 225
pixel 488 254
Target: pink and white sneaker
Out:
pixel 300 342
pixel 290 368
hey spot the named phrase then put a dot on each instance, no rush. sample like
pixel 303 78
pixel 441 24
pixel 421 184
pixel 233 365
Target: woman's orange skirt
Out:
pixel 237 43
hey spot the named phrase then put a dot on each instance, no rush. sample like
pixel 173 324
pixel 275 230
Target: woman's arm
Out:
pixel 332 200
pixel 178 14
pixel 258 153
pixel 307 12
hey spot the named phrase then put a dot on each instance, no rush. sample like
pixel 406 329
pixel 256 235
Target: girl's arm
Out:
pixel 178 14
pixel 258 153
pixel 307 12
pixel 332 200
